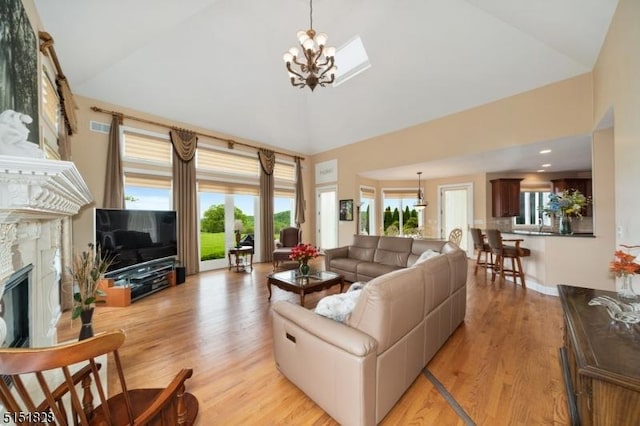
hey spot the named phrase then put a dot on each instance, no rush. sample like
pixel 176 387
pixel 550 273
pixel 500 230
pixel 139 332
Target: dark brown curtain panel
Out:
pixel 68 104
pixel 185 197
pixel 267 162
pixel 299 194
pixel 64 144
pixel 114 180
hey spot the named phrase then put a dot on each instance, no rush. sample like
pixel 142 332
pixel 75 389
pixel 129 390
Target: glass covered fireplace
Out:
pixel 14 309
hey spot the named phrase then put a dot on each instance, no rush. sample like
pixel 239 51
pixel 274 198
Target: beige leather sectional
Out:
pixel 370 256
pixel 357 370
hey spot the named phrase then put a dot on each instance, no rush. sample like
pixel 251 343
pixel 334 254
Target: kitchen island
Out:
pixel 564 259
pixel 549 233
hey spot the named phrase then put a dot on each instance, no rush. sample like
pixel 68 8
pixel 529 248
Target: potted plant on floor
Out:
pixel 87 270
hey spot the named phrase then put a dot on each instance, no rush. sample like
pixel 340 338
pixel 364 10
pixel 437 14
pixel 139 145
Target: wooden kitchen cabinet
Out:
pixel 599 361
pixel 581 184
pixel 505 196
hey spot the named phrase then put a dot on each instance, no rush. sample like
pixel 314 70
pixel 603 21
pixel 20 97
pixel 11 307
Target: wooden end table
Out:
pixel 241 254
pixel 296 283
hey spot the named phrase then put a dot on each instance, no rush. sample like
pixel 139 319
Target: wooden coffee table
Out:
pixel 294 282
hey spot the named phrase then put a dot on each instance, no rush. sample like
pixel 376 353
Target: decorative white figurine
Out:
pixel 14 133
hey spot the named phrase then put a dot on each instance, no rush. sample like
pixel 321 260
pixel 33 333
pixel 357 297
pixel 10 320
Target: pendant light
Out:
pixel 420 202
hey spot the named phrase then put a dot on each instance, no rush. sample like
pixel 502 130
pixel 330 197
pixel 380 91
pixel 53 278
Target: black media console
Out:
pixel 140 280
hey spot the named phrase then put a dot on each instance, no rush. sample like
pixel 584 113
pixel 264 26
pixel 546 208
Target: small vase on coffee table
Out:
pixel 304 268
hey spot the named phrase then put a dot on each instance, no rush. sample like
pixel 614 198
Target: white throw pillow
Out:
pixel 338 306
pixel 426 255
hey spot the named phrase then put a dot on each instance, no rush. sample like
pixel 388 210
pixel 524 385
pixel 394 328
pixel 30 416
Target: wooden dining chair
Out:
pixel 62 393
pixel 502 252
pixel 455 236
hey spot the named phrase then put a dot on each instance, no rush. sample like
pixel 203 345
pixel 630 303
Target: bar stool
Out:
pixel 481 247
pixel 516 253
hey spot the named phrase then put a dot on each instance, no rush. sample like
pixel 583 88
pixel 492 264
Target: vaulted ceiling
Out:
pixel 218 64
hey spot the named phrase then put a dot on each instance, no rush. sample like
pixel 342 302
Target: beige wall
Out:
pixel 616 77
pixel 550 112
pixel 89 150
pixel 432 194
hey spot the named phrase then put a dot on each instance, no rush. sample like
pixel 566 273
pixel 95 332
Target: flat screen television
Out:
pixel 133 237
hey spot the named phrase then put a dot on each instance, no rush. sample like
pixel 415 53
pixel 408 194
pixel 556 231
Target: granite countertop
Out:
pixel 548 233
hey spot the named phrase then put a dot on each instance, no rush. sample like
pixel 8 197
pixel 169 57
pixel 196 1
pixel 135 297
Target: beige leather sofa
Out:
pixel 357 370
pixel 370 256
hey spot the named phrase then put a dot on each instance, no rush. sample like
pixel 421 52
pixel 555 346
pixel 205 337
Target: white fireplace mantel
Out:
pixel 33 188
pixel 37 199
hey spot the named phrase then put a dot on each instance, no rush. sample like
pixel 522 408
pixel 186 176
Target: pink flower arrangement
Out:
pixel 303 252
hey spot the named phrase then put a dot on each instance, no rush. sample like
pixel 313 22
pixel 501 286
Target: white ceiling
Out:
pixel 218 64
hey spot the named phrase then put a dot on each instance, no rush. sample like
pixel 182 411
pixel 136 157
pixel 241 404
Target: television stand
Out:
pixel 135 282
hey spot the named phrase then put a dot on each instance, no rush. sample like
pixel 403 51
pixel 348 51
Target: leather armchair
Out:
pixel 289 238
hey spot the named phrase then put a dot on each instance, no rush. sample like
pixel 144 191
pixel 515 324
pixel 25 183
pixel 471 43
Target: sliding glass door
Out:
pixel 220 216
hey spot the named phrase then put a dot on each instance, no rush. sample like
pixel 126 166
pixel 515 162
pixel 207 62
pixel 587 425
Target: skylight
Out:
pixel 351 60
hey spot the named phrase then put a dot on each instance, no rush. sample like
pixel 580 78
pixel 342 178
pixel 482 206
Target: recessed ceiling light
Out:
pixel 545 151
pixel 546 165
pixel 541 170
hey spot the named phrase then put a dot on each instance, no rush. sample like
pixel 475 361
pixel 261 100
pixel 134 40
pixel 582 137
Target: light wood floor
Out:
pixel 501 365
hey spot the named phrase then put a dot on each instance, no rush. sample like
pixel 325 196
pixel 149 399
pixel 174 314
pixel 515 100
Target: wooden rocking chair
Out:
pixel 61 401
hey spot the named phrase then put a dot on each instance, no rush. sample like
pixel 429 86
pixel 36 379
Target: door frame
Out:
pixel 468 186
pixel 319 190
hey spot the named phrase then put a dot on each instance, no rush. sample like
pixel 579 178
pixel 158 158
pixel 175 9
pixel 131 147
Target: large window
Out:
pixel 367 210
pixel 146 159
pixel 531 205
pixel 228 189
pixel 399 216
pixel 284 197
pixel 228 192
pixel 147 192
pixel 283 211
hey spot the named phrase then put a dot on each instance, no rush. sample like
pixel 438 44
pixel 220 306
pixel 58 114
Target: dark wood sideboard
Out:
pixel 600 361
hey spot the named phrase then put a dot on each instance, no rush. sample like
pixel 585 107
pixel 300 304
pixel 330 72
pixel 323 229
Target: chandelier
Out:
pixel 420 202
pixel 316 64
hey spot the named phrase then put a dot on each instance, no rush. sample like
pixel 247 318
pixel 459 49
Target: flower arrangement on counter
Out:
pixel 302 253
pixel 625 266
pixel 569 202
pixel 624 263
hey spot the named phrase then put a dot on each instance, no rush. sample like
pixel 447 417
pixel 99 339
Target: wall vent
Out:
pixel 98 127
